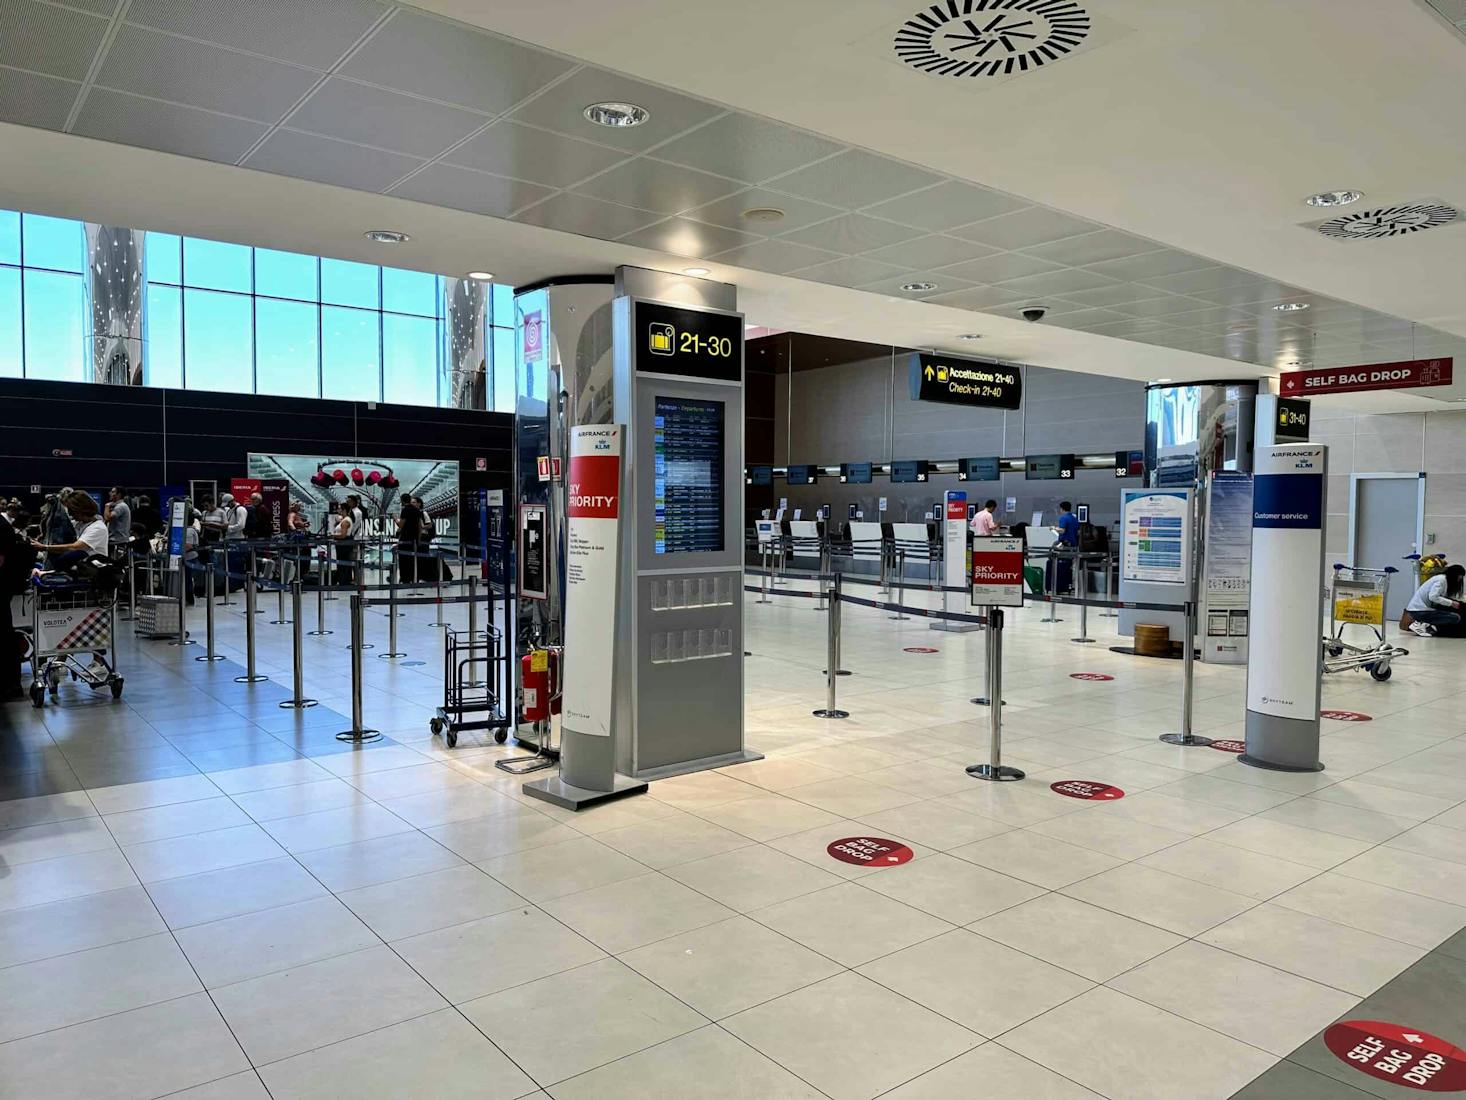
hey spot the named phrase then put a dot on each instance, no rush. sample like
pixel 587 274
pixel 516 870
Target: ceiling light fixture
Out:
pixel 917 288
pixel 618 116
pixel 386 236
pixel 1334 198
pixel 695 272
pixel 1291 307
pixel 764 214
pixel 481 276
pixel 1160 381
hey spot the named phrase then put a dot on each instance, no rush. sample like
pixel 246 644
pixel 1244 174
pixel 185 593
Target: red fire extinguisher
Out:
pixel 538 682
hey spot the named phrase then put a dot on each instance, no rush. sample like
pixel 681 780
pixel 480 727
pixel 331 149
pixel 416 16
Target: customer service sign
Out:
pixel 1288 508
pixel 593 509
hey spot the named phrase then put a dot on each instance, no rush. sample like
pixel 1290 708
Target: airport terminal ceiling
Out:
pixel 888 230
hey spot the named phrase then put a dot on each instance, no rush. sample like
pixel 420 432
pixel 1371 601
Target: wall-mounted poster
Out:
pixel 320 481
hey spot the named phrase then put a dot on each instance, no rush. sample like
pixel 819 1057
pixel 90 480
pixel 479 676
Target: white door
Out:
pixel 1386 510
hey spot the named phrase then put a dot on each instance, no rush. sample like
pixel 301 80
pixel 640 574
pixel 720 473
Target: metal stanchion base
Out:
pixel 318 633
pixel 210 657
pixel 984 701
pixel 1083 641
pixel 1051 619
pixel 831 713
pixel 186 641
pixel 279 622
pixel 823 671
pixel 359 737
pixel 380 656
pixel 1000 774
pixel 364 645
pixel 298 704
pixel 249 679
pixel 1188 740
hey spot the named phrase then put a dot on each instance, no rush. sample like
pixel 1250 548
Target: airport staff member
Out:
pixel 1067 535
pixel 984 523
pixel 1437 602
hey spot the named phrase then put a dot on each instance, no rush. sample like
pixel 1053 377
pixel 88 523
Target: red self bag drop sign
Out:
pixel 1086 789
pixel 870 851
pixel 1403 1056
pixel 1098 677
pixel 1229 746
pixel 1345 716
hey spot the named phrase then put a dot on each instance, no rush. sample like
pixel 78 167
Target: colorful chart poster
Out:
pixel 1157 536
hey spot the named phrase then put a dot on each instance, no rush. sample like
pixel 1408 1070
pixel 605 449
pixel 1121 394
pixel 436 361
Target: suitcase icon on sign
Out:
pixel 661 338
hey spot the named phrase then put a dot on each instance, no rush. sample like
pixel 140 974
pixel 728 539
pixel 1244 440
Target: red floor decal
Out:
pixel 920 649
pixel 1409 1058
pixel 1229 746
pixel 1345 716
pixel 1089 676
pixel 1087 789
pixel 870 851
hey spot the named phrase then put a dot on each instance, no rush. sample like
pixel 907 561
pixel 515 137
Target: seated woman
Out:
pixel 1437 603
pixel 91 532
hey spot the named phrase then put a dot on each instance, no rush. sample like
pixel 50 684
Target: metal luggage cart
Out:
pixel 1357 597
pixel 69 620
pixel 472 669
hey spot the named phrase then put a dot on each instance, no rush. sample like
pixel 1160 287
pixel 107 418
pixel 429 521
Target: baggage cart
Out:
pixel 72 620
pixel 1357 598
pixel 472 669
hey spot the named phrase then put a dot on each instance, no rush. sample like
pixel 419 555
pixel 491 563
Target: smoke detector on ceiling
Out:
pixel 991 38
pixel 1389 221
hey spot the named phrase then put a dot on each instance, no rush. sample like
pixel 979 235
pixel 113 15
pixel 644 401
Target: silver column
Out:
pixel 465 379
pixel 114 290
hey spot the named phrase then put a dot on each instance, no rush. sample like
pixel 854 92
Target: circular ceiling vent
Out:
pixel 991 37
pixel 1389 221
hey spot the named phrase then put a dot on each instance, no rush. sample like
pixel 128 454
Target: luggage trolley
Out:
pixel 69 618
pixel 472 663
pixel 1357 597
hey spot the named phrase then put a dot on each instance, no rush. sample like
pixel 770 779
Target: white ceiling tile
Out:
pixel 1026 228
pixel 947 205
pixel 522 152
pixel 1106 244
pixel 1004 266
pixel 343 109
pixel 316 34
pixel 431 57
pixel 561 108
pixel 729 211
pixel 1054 282
pixel 851 233
pixel 49 40
pixel 29 99
pixel 478 192
pixel 777 257
pixel 683 237
pixel 1151 265
pixel 649 185
pixel 850 271
pixel 326 160
pixel 931 251
pixel 187 131
pixel 746 148
pixel 979 297
pixel 891 285
pixel 855 179
pixel 589 217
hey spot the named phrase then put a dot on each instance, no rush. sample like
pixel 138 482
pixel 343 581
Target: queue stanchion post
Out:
pixel 900 616
pixel 1051 587
pixel 252 567
pixel 392 651
pixel 321 603
pixel 358 734
pixel 280 619
pixel 1186 738
pixel 986 698
pixel 763 584
pixel 832 659
pixel 1110 612
pixel 824 560
pixel 223 545
pixel 328 569
pixel 1081 582
pixel 438 591
pixel 209 654
pixel 250 675
pixel 297 701
pixel 995 770
pixel 360 596
pixel 183 639
pixel 835 611
pixel 131 585
pixel 394 578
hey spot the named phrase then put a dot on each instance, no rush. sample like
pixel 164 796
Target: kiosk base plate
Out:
pixel 557 792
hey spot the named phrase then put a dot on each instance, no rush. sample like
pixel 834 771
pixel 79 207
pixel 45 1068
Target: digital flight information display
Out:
pixel 855 473
pixel 687 459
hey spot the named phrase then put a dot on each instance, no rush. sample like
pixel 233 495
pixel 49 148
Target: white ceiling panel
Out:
pixel 931 252
pixel 855 179
pixel 463 189
pixel 523 152
pixel 1002 267
pixel 1107 244
pixel 49 40
pixel 589 217
pixel 895 285
pixel 326 160
pixel 852 271
pixel 946 206
pixel 1026 228
pixel 34 100
pixel 315 34
pixel 689 239
pixel 350 111
pixel 649 185
pixel 851 233
pixel 778 257
pixel 561 108
pixel 435 59
pixel 746 148
pixel 187 131
pixel 1054 283
pixel 730 211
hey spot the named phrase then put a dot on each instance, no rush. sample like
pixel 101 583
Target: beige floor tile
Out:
pixel 659 844
pixel 982 985
pixel 1412 872
pixel 1033 857
pixel 850 924
pixel 55 839
pixel 1011 803
pixel 780 773
pixel 384 859
pixel 812 846
pixel 299 798
pixel 752 878
pixel 598 1013
pixel 1370 907
pixel 850 796
pixel 434 808
pixel 331 828
pixel 1225 793
pixel 808 1033
pixel 1334 817
pixel 1290 842
pixel 1235 869
pixel 1246 1000
pixel 238 1086
pixel 1311 947
pixel 423 903
pixel 952 889
pixel 248 946
pixel 1362 795
pixel 484 838
pixel 555 870
pixel 708 1064
pixel 1107 1042
pixel 1077 936
pixel 484 956
pixel 192 855
pixel 727 967
pixel 621 916
pixel 177 819
pixel 19 812
pixel 994 1073
pixel 698 790
pixel 1114 836
pixel 1181 905
pixel 935 825
pixel 767 817
pixel 154 792
pixel 264 777
pixel 300 1009
pixel 66 877
pixel 77 924
pixel 215 895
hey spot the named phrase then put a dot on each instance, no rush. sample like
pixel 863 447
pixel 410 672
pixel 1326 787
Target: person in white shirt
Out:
pixel 1437 602
pixel 984 523
pixel 91 532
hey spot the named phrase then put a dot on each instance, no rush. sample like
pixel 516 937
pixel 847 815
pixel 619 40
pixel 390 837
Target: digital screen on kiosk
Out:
pixel 855 473
pixel 687 460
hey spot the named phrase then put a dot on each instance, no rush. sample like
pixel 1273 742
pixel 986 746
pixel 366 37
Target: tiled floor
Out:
pixel 205 896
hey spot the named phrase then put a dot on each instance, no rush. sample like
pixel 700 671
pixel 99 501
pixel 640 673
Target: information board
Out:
pixel 997 572
pixel 692 343
pixel 687 455
pixel 593 514
pixel 1157 535
pixel 1049 468
pixel 955 381
pixel 856 473
pixel 979 469
pixel 802 475
pixel 534 573
pixel 908 472
pixel 1227 565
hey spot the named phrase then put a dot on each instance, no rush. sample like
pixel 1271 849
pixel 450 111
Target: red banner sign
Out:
pixel 1098 677
pixel 1086 789
pixel 870 851
pixel 1406 375
pixel 595 484
pixel 1345 716
pixel 1403 1056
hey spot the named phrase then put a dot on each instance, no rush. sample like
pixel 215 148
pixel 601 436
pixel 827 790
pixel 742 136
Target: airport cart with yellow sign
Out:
pixel 1357 598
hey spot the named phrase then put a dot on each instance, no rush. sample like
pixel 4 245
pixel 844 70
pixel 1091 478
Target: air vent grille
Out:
pixel 991 38
pixel 1389 221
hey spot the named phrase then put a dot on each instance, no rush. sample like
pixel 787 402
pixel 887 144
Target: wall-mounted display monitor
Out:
pixel 1129 463
pixel 908 472
pixel 687 450
pixel 758 475
pixel 802 475
pixel 855 473
pixel 1049 468
pixel 978 469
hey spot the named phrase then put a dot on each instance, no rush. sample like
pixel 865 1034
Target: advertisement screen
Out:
pixel 688 470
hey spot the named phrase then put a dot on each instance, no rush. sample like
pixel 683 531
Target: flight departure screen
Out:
pixel 688 472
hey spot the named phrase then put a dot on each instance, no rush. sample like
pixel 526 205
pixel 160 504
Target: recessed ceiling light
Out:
pixel 1334 198
pixel 764 214
pixel 481 276
pixel 970 336
pixel 917 288
pixel 617 115
pixel 1161 381
pixel 695 272
pixel 386 236
pixel 1290 307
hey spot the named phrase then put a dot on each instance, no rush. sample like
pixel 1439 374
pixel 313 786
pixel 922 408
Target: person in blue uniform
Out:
pixel 1067 530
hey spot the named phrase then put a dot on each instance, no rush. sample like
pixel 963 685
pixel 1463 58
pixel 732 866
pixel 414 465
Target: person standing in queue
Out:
pixel 118 517
pixel 409 530
pixel 1066 533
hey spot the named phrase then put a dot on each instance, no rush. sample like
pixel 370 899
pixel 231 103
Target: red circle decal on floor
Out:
pixel 1345 716
pixel 920 649
pixel 1403 1056
pixel 1099 676
pixel 870 851
pixel 1229 746
pixel 1087 789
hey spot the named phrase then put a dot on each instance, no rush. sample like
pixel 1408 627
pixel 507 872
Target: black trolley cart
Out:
pixel 473 669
